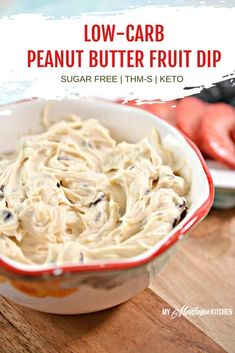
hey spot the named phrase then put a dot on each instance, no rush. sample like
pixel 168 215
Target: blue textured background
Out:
pixel 75 7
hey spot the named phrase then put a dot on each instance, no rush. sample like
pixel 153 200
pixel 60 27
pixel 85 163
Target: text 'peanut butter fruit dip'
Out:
pixel 74 195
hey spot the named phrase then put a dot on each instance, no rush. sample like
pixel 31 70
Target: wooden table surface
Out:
pixel 200 275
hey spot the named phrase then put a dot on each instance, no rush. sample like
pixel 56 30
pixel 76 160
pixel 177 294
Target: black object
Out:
pixel 223 91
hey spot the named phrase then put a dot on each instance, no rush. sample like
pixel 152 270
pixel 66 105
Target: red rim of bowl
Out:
pixel 199 214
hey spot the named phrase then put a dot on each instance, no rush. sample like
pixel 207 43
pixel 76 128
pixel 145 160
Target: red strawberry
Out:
pixel 233 135
pixel 189 114
pixel 217 125
pixel 164 110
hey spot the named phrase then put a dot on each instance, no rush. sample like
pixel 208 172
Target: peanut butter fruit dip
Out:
pixel 72 194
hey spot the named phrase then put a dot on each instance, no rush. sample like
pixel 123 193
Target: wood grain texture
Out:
pixel 136 327
pixel 202 274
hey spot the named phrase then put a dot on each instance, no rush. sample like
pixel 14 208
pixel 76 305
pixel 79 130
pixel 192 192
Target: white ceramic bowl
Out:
pixel 83 288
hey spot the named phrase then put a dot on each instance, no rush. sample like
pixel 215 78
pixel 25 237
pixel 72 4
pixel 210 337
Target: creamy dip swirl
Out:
pixel 73 194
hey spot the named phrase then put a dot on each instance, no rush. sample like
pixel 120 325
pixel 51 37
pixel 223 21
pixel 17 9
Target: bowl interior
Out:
pixel 125 123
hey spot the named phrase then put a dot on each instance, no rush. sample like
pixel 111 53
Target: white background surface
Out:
pixel 185 28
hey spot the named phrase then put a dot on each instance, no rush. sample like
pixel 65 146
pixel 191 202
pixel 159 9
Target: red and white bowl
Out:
pixel 83 288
